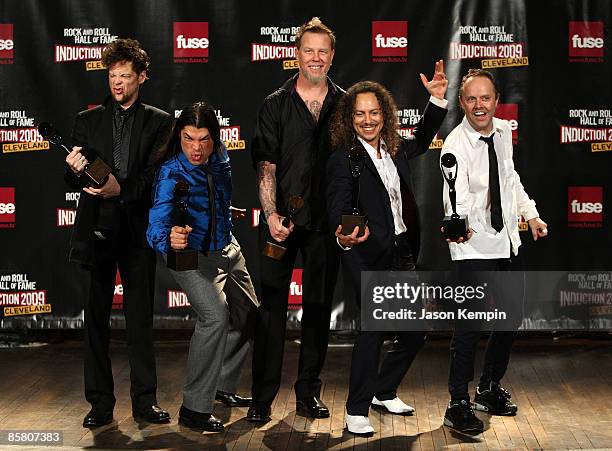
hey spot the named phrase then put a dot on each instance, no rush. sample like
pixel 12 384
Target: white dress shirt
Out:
pixel 472 187
pixel 390 178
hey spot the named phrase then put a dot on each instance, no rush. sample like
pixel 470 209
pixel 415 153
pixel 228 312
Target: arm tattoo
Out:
pixel 266 181
pixel 315 108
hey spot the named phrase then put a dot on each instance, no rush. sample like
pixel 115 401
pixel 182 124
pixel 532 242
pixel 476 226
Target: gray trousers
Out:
pixel 222 295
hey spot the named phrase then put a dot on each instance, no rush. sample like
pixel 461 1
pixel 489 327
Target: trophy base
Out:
pixel 273 250
pixel 182 260
pixel 455 228
pixel 98 172
pixel 349 222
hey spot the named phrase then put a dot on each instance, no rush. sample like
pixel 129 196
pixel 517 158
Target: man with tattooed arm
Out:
pixel 290 150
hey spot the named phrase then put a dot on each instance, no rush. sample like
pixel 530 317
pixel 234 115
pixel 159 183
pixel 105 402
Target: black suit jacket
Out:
pixel 93 130
pixel 376 252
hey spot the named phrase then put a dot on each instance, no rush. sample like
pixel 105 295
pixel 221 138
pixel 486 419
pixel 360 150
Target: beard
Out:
pixel 314 79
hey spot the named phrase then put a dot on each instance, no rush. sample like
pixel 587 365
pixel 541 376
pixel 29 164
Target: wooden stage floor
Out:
pixel 563 388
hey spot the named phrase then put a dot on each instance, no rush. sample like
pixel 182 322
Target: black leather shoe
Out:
pixel 312 406
pixel 96 418
pixel 151 414
pixel 200 421
pixel 232 399
pixel 258 415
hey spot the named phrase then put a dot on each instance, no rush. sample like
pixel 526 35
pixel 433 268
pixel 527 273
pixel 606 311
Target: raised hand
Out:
pixel 438 84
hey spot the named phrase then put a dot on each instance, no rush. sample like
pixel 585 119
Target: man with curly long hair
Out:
pixel 110 227
pixel 365 122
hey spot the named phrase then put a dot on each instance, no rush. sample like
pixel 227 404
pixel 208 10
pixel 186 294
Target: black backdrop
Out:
pixel 552 60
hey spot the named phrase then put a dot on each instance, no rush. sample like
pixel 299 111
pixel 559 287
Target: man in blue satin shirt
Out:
pixel 220 290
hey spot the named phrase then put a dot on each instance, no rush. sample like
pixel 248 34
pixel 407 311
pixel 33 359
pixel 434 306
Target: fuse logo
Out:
pixel 7 208
pixel 191 42
pixel 586 39
pixel 586 42
pixel 390 43
pixel 390 38
pixel 585 206
pixel 6 42
pixel 509 112
pixel 295 290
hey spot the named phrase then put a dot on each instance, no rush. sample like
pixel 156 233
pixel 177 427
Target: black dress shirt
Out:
pixel 287 135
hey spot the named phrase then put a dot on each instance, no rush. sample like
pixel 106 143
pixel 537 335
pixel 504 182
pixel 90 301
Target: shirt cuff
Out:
pixel 342 247
pixel 531 214
pixel 442 103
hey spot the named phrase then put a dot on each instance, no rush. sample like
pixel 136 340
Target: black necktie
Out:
pixel 120 117
pixel 496 209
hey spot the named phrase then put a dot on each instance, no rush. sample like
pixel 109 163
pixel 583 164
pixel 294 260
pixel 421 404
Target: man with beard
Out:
pixel 110 228
pixel 489 191
pixel 290 149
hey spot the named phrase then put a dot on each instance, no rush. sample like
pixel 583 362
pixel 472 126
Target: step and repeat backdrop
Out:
pixel 552 60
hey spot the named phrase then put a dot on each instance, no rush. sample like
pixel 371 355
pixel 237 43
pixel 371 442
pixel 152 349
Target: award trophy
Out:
pixel 455 226
pixel 96 172
pixel 275 249
pixel 182 259
pixel 355 218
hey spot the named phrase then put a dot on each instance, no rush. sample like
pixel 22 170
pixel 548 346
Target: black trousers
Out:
pixel 137 270
pixel 368 378
pixel 465 339
pixel 320 270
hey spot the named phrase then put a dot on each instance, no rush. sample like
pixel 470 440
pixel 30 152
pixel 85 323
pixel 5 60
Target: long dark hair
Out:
pixel 342 132
pixel 199 115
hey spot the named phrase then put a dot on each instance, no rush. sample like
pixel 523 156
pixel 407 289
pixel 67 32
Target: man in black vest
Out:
pixel 110 230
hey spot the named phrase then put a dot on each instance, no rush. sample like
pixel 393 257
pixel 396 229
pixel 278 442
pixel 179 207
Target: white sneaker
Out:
pixel 395 405
pixel 358 424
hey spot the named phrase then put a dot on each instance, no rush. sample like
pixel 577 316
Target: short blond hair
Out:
pixel 315 25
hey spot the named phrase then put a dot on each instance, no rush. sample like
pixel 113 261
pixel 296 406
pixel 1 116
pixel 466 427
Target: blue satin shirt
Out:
pixel 162 214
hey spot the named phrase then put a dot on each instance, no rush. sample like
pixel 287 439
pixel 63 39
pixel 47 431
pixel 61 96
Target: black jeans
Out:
pixel 320 271
pixel 465 339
